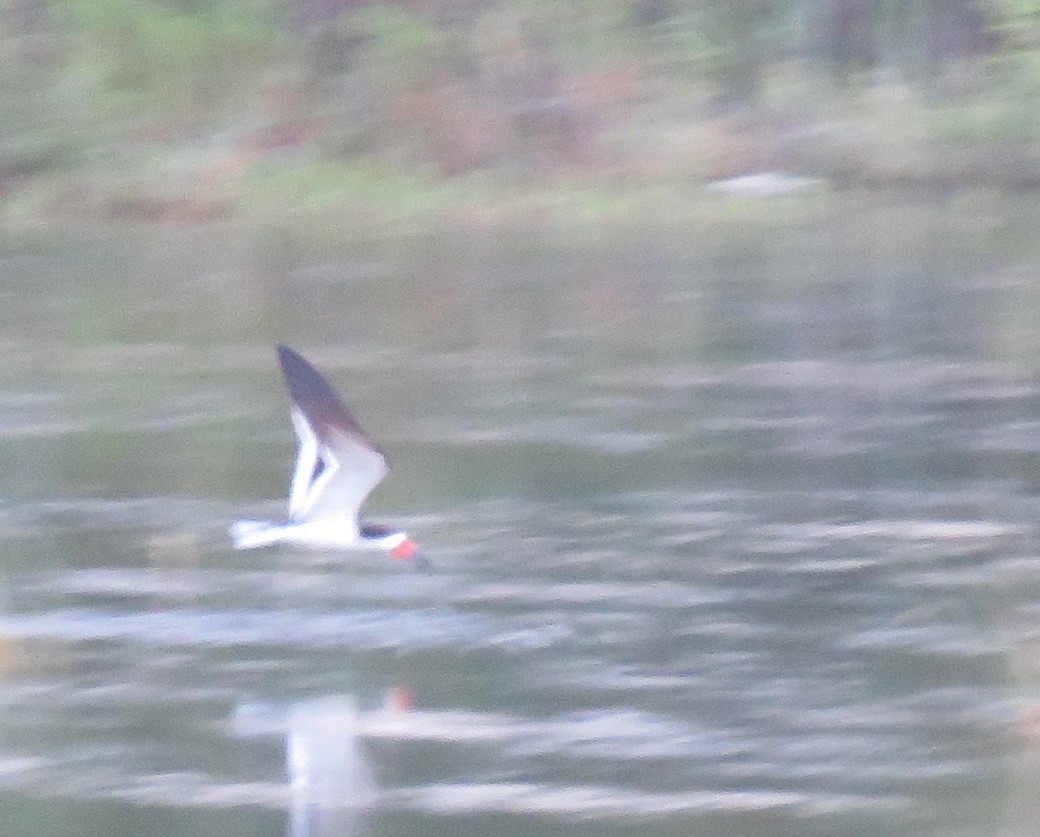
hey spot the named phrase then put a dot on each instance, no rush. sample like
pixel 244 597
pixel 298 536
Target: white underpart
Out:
pixel 306 460
pixel 323 510
pixel 352 469
pixel 321 534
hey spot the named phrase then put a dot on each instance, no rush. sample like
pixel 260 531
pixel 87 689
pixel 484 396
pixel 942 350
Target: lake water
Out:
pixel 733 527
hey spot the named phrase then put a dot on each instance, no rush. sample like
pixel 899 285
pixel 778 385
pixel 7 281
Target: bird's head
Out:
pixel 404 547
pixel 398 545
pixel 408 550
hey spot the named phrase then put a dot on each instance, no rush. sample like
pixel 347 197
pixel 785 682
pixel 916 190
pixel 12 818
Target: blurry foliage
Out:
pixel 164 58
pixel 405 50
pixel 200 93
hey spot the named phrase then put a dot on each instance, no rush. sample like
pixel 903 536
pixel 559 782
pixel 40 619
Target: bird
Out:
pixel 337 466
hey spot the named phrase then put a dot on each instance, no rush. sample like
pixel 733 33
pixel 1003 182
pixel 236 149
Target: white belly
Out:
pixel 320 534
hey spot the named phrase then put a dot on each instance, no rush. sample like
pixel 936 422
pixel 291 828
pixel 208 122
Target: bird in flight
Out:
pixel 337 466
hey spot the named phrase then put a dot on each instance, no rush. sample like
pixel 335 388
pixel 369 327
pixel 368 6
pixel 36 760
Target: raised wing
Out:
pixel 337 463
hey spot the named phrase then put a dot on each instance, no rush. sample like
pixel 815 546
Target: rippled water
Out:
pixel 729 539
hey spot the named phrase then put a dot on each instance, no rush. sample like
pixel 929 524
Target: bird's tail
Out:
pixel 250 534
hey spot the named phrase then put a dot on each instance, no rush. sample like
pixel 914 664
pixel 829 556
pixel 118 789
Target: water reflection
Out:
pixel 332 787
pixel 723 531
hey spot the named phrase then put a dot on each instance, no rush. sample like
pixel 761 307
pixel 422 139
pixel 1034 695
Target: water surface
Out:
pixel 733 533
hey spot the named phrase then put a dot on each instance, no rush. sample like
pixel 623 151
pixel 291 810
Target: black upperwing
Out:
pixel 318 401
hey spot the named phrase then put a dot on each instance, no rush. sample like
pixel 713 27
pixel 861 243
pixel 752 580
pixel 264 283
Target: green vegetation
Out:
pixel 478 109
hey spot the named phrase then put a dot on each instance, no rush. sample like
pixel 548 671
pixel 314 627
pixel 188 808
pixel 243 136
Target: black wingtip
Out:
pixel 306 385
pixel 289 357
pixel 316 398
pixel 290 360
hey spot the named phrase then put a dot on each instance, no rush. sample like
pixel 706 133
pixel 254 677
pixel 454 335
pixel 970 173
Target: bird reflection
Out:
pixel 331 785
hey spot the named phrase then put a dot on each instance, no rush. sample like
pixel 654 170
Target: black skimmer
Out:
pixel 337 466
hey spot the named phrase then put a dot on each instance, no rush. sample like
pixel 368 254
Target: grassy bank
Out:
pixel 392 115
